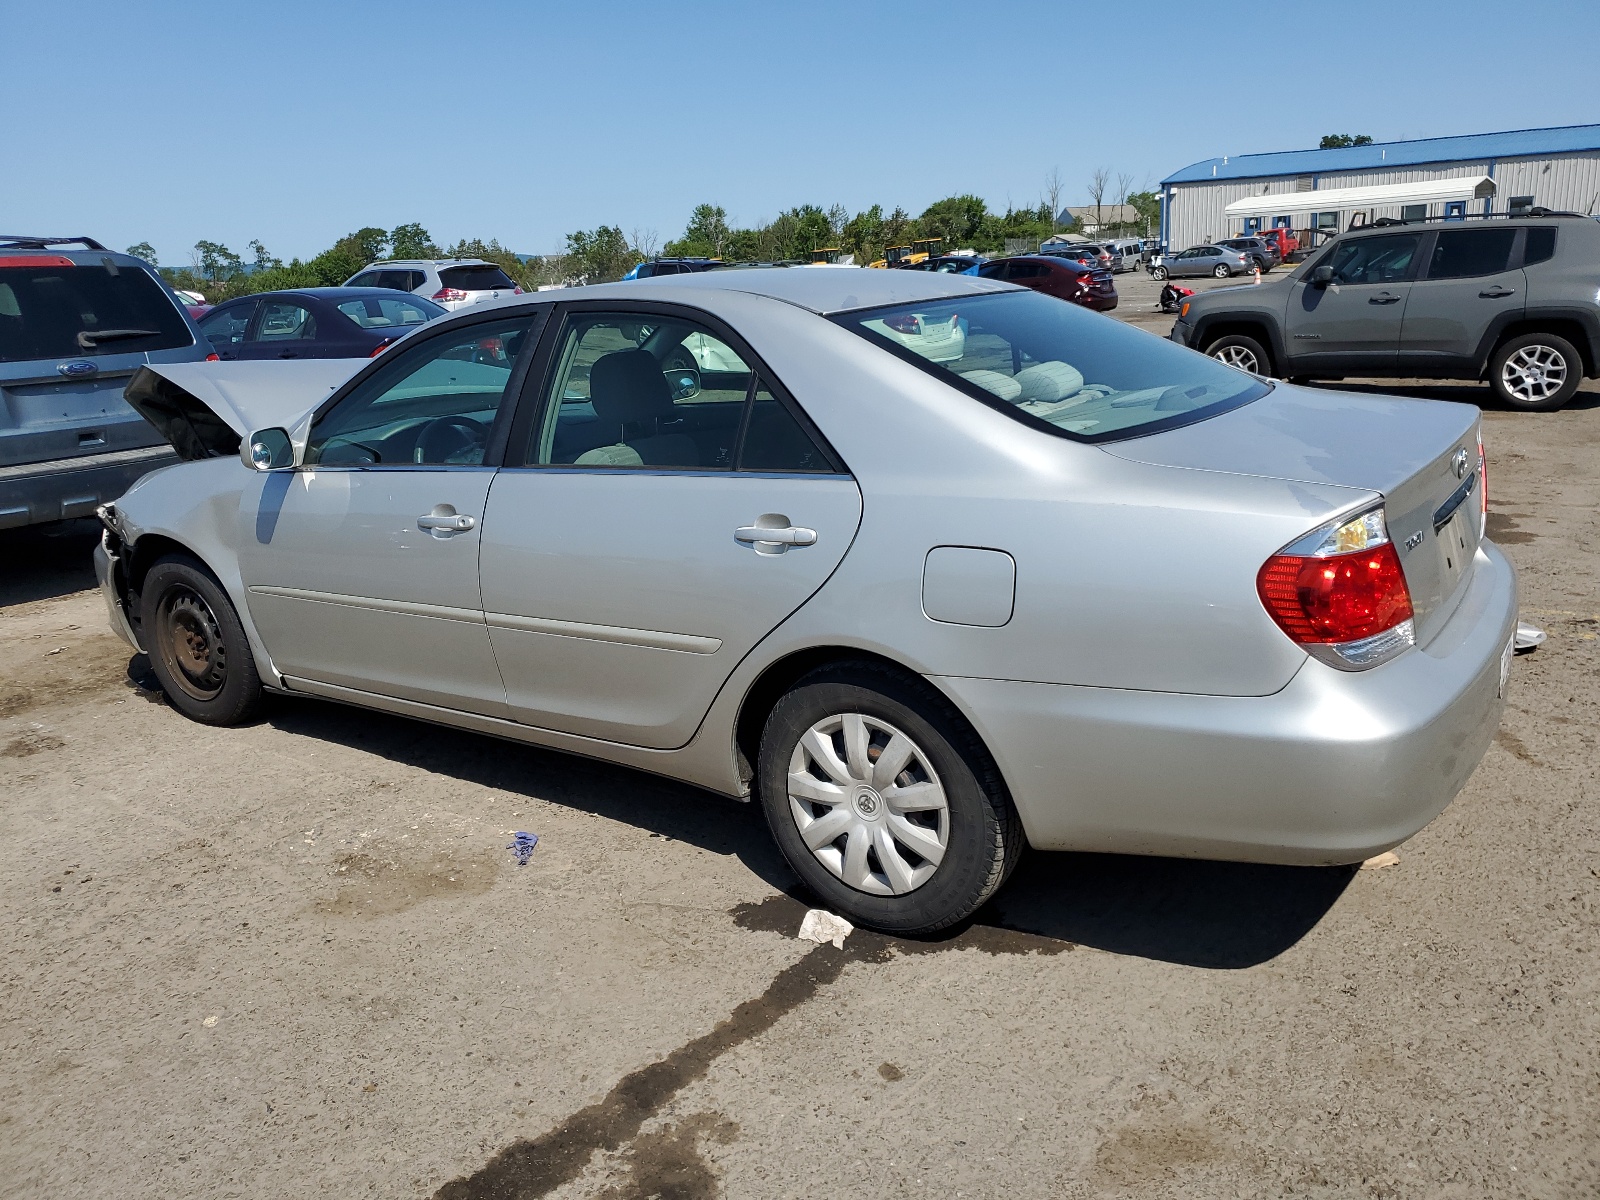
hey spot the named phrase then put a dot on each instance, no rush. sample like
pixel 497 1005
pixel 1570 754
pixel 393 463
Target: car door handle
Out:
pixel 1383 299
pixel 446 522
pixel 288 354
pixel 1498 293
pixel 791 535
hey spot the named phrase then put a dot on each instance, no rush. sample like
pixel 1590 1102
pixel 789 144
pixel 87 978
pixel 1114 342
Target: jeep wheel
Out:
pixel 884 801
pixel 198 649
pixel 1222 270
pixel 1243 352
pixel 1536 372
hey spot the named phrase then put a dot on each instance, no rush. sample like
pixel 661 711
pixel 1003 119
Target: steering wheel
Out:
pixel 444 436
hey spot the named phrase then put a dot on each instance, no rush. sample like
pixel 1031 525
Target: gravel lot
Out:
pixel 296 959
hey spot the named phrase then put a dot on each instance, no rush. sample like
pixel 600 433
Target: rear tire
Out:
pixel 1222 270
pixel 197 645
pixel 1243 352
pixel 1535 372
pixel 915 852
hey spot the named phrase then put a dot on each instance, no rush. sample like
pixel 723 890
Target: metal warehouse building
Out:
pixel 1330 190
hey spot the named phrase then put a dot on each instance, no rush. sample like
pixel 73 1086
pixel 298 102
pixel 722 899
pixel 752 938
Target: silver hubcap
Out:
pixel 1238 356
pixel 868 804
pixel 1534 373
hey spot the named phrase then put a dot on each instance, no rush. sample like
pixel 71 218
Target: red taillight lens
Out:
pixel 213 357
pixel 516 291
pixel 1483 483
pixel 379 348
pixel 36 260
pixel 445 293
pixel 1337 598
pixel 904 324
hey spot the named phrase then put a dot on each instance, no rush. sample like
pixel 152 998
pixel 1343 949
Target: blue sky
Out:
pixel 298 122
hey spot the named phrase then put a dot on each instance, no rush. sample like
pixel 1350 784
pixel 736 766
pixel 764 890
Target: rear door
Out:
pixel 361 567
pixel 646 535
pixel 1352 324
pixel 1467 288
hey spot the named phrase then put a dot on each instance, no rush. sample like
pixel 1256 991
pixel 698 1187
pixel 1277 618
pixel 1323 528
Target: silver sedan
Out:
pixel 931 567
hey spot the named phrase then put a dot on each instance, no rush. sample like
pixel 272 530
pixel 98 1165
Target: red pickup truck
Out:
pixel 1286 241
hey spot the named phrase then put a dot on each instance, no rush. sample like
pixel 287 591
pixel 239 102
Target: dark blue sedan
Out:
pixel 331 322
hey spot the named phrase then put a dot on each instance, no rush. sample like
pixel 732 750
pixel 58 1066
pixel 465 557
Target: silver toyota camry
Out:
pixel 931 567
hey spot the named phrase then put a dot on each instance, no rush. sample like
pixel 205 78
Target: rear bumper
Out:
pixel 1333 769
pixel 34 493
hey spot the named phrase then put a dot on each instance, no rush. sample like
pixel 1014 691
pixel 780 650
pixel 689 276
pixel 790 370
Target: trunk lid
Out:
pixel 1421 456
pixel 206 409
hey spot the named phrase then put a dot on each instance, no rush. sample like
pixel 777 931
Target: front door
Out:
pixel 670 509
pixel 361 566
pixel 1352 323
pixel 282 329
pixel 1467 288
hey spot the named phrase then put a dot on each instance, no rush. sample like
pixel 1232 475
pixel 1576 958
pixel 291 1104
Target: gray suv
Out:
pixel 1512 301
pixel 76 321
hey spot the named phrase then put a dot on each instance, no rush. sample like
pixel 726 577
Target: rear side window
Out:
pixel 1461 253
pixel 60 311
pixel 475 279
pixel 380 312
pixel 1541 245
pixel 366 279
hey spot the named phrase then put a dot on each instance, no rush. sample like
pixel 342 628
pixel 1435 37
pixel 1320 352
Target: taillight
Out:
pixel 447 293
pixel 516 291
pixel 381 347
pixel 36 260
pixel 213 357
pixel 910 324
pixel 1483 488
pixel 1340 592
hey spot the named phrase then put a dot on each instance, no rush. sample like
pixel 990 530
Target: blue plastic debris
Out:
pixel 522 845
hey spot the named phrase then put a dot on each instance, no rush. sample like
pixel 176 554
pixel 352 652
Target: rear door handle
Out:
pixel 446 523
pixel 762 535
pixel 1498 293
pixel 1383 299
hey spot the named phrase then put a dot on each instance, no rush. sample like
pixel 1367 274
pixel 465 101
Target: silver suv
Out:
pixel 1510 300
pixel 76 321
pixel 451 282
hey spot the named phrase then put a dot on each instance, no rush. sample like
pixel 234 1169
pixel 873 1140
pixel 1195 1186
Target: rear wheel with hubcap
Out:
pixel 1243 352
pixel 1222 270
pixel 197 646
pixel 883 800
pixel 1536 372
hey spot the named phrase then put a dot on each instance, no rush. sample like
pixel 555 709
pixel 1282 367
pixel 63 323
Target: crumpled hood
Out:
pixel 206 408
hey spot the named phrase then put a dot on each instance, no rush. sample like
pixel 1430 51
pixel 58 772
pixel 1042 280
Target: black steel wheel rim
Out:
pixel 191 644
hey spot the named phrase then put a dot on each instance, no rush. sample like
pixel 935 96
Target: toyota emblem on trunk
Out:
pixel 1458 464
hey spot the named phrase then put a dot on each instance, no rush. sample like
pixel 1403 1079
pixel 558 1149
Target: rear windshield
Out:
pixel 1056 366
pixel 78 311
pixel 382 312
pixel 475 279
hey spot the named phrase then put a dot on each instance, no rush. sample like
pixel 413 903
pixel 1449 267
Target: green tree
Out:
pixel 215 262
pixel 1338 141
pixel 956 219
pixel 1148 206
pixel 862 235
pixel 410 241
pixel 262 261
pixel 145 251
pixel 601 255
pixel 706 236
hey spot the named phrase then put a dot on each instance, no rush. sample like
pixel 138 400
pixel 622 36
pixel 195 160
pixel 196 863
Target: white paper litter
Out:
pixel 822 926
pixel 1378 861
pixel 1529 637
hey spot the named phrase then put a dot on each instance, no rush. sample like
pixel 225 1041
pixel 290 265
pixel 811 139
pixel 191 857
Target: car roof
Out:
pixel 427 262
pixel 818 290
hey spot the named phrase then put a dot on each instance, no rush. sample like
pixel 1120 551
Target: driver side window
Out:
pixel 1384 259
pixel 434 405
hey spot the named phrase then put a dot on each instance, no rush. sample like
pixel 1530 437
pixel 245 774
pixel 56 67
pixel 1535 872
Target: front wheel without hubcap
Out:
pixel 883 801
pixel 196 643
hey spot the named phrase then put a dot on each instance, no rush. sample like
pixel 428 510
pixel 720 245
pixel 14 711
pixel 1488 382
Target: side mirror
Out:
pixel 268 450
pixel 1322 276
pixel 683 382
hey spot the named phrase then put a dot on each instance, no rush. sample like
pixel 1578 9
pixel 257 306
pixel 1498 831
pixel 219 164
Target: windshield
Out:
pixel 61 310
pixel 1057 366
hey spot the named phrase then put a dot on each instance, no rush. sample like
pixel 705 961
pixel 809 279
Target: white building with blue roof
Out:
pixel 1330 190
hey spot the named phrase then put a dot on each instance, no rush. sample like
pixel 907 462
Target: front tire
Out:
pixel 883 800
pixel 1536 372
pixel 1158 272
pixel 197 645
pixel 1243 352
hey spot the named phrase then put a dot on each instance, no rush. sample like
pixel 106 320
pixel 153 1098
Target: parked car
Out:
pixel 1202 260
pixel 1089 256
pixel 1282 239
pixel 1510 301
pixel 1128 252
pixel 1065 279
pixel 1076 586
pixel 76 320
pixel 1262 254
pixel 672 266
pixel 951 264
pixel 342 322
pixel 449 282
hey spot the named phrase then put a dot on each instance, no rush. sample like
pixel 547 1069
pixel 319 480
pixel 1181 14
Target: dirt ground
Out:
pixel 298 960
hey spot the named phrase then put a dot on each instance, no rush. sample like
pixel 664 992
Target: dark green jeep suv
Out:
pixel 1515 301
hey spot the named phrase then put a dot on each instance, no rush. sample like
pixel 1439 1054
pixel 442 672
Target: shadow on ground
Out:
pixel 1195 913
pixel 47 561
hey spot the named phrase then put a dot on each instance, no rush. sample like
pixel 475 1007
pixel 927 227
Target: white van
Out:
pixel 1131 250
